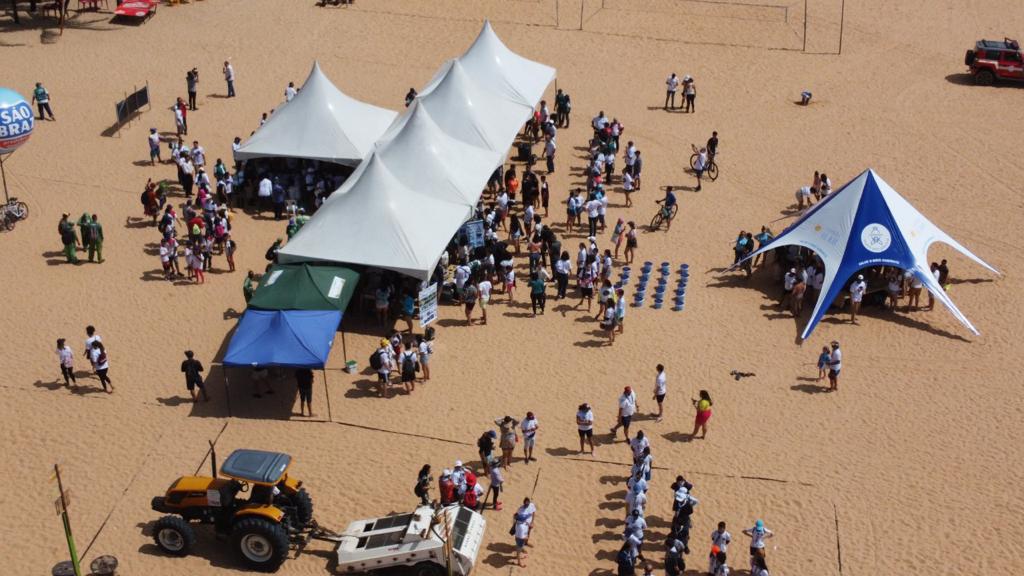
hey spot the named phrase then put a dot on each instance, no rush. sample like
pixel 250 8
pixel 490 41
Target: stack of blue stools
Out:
pixel 684 279
pixel 659 290
pixel 641 287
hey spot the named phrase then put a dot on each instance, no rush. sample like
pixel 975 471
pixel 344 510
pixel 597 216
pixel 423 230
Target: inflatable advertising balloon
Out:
pixel 16 121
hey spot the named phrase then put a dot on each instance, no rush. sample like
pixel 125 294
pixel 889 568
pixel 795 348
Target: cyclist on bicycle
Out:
pixel 667 203
pixel 712 146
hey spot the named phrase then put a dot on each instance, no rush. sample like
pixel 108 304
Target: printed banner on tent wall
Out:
pixel 428 305
pixel 474 233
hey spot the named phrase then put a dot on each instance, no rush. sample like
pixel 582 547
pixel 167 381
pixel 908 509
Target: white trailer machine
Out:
pixel 418 539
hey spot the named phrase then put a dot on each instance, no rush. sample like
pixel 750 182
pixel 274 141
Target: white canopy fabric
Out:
pixel 464 110
pixel 423 157
pixel 320 123
pixel 376 220
pixel 503 72
pixel 867 223
pixel 425 174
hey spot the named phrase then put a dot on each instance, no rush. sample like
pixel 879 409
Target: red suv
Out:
pixel 993 60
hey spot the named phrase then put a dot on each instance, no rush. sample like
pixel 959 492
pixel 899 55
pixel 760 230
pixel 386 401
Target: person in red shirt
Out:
pixel 446 487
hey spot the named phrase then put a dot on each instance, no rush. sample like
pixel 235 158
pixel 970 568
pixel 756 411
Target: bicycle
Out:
pixel 659 217
pixel 12 212
pixel 711 169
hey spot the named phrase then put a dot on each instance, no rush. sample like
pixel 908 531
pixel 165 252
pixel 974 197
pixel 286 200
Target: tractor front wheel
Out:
pixel 427 569
pixel 174 535
pixel 261 544
pixel 303 506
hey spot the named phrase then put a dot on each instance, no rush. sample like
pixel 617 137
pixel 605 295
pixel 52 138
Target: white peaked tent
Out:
pixel 320 123
pixel 503 72
pixel 425 174
pixel 867 223
pixel 463 110
pixel 376 220
pixel 421 156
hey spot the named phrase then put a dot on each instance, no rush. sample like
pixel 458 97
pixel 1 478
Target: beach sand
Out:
pixel 911 467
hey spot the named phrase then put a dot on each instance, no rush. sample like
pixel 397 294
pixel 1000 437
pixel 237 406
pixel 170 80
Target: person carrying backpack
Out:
pixel 410 363
pixel 380 361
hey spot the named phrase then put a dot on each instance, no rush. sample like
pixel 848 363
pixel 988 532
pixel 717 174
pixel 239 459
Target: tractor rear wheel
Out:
pixel 261 544
pixel 174 535
pixel 427 569
pixel 984 78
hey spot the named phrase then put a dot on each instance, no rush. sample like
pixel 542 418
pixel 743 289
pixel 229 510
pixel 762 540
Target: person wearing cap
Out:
pixel 529 426
pixel 857 290
pixel 758 534
pixel 459 478
pixel 835 364
pixel 385 352
pixel 627 407
pixel 446 487
pixel 485 448
pixel 509 438
pixel 788 281
pixel 585 426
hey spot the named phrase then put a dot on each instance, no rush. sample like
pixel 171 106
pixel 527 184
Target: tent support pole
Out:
pixel 344 347
pixel 327 392
pixel 227 389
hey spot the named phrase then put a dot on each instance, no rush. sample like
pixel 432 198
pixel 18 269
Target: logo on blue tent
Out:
pixel 876 237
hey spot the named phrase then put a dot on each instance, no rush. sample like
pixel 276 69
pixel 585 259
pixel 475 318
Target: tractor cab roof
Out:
pixel 256 466
pixel 1004 44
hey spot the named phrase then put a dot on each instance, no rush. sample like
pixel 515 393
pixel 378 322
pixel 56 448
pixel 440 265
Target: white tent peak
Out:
pixel 867 223
pixel 504 72
pixel 320 123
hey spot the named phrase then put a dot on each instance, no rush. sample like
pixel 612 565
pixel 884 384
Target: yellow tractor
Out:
pixel 262 527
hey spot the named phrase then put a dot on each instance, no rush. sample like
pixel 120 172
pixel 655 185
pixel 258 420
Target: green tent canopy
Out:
pixel 305 287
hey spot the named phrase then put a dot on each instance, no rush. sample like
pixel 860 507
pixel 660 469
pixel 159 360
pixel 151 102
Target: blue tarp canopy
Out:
pixel 290 338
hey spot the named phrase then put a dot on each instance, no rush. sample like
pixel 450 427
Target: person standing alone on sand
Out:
pixel 229 77
pixel 193 376
pixel 585 426
pixel 529 427
pixel 660 389
pixel 42 100
pixel 835 364
pixel 703 406
pixel 67 362
pixel 627 407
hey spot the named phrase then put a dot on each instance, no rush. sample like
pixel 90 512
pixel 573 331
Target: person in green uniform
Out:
pixel 85 229
pixel 96 240
pixel 42 100
pixel 248 288
pixel 66 229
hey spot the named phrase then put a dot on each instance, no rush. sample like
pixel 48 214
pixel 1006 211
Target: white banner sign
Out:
pixel 428 305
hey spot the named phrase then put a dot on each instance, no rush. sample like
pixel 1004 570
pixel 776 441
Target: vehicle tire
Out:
pixel 712 172
pixel 261 544
pixel 984 78
pixel 657 220
pixel 303 506
pixel 22 211
pixel 427 569
pixel 693 162
pixel 174 535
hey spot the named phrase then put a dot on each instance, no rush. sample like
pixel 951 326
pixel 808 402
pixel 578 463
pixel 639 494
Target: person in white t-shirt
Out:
pixel 803 194
pixel 290 92
pixel 67 362
pixel 627 407
pixel 98 357
pixel 835 364
pixel 660 389
pixel 529 426
pixel 484 289
pixel 758 534
pixel 671 85
pixel 91 336
pixel 585 426
pixel 788 282
pixel 857 290
pixel 637 446
pixel 721 539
